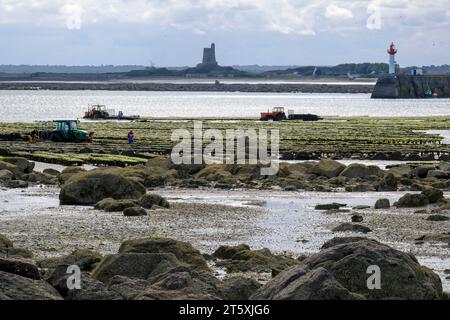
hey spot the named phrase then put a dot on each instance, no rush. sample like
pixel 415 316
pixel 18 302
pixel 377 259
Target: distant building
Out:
pixel 416 72
pixel 209 56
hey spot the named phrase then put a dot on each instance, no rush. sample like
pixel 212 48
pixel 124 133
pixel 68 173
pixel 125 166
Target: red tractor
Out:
pixel 277 114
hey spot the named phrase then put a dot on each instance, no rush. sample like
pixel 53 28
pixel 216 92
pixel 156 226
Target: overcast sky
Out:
pixel 271 32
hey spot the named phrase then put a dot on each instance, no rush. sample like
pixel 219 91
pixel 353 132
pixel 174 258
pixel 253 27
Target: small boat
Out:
pixel 100 112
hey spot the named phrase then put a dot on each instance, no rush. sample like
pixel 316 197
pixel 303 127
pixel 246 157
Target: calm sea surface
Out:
pixel 28 106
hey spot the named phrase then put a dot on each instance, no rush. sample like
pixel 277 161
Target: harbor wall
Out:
pixel 411 87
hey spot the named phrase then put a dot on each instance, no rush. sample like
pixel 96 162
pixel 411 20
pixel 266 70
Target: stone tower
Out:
pixel 209 55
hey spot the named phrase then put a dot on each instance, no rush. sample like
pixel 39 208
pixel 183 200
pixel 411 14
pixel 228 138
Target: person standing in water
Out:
pixel 131 137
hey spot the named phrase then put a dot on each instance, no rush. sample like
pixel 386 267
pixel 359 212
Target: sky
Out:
pixel 265 32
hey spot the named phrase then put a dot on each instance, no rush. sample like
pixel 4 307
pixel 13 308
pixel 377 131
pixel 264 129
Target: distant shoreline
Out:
pixel 284 87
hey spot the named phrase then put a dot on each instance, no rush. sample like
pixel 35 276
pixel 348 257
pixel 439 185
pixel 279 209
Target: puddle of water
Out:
pixel 443 133
pixel 40 166
pixel 382 164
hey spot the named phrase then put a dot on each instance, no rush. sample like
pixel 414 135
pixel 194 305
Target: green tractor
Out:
pixel 67 131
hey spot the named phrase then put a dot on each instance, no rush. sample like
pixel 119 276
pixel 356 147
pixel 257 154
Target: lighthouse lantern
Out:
pixel 392 52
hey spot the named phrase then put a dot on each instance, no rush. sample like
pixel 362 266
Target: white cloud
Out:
pixel 72 13
pixel 335 12
pixel 300 17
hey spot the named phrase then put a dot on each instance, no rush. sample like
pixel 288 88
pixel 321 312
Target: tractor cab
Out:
pixel 67 131
pixel 98 111
pixel 277 114
pixel 65 125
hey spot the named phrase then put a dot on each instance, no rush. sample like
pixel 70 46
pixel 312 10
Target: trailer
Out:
pixel 278 114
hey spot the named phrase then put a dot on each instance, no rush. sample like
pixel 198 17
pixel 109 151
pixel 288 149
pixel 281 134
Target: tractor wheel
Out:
pixel 56 137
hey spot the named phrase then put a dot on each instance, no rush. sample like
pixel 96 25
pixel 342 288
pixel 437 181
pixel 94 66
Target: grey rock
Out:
pixel 134 265
pixel 328 168
pixel 412 201
pixel 438 217
pixel 238 288
pixel 382 204
pixel 329 206
pixel 15 287
pixel 349 227
pixel 134 212
pixel 183 251
pixel 433 195
pixel 20 267
pixel 88 188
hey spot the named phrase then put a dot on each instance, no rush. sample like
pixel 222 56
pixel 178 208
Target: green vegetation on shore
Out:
pixel 357 137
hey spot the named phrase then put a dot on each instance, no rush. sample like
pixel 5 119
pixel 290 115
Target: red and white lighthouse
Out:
pixel 392 52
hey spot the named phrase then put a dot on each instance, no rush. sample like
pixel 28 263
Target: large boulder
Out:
pixel 15 184
pixel 238 288
pixel 22 164
pixel 412 201
pixel 242 259
pixel 340 240
pixel 88 188
pixel 439 174
pixel 388 183
pixel 84 259
pixel 340 272
pixel 127 288
pixel 182 283
pixel 15 287
pixel 183 251
pixel 51 171
pixel 357 170
pixel 90 288
pixel 150 199
pixel 382 204
pixel 352 227
pixel 9 166
pixel 6 174
pixel 68 173
pixel 43 178
pixel 299 283
pixel 113 205
pixel 20 267
pixel 134 265
pixel 421 171
pixel 433 195
pixel 400 171
pixel 328 168
pixel 134 212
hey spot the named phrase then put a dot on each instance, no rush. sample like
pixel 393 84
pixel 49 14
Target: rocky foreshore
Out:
pixel 195 87
pixel 163 269
pixel 160 268
pixel 326 175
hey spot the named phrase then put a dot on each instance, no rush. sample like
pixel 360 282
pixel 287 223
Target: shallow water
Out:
pixel 29 106
pixel 379 163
